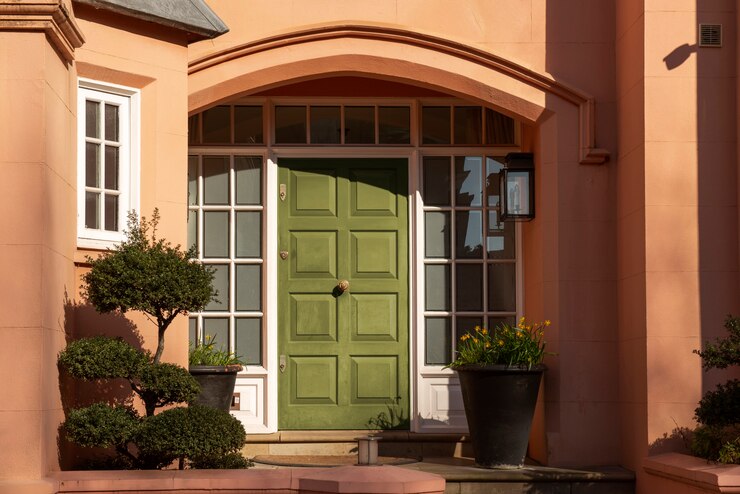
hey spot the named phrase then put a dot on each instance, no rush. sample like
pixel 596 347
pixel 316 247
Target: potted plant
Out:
pixel 215 370
pixel 500 373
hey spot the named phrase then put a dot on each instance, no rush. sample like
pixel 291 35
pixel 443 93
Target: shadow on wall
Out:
pixel 82 321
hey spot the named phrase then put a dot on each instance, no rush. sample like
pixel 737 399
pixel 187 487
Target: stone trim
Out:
pixel 53 17
pixel 588 153
pixel 694 472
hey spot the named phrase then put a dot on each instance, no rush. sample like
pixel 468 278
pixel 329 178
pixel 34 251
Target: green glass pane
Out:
pixel 248 343
pixel 437 181
pixel 326 125
pixel 249 234
pixel 437 286
pixel 111 123
pixel 92 119
pixel 111 167
pixel 290 124
pixel 215 234
pixel 248 125
pixel 92 209
pixel 248 171
pixel 468 125
pixel 469 287
pixel 221 285
pixel 216 179
pixel 468 185
pixel 435 125
pixel 438 341
pixel 394 125
pixel 499 320
pixel 217 328
pixel 469 234
pixel 249 287
pixel 192 180
pixel 466 324
pixel 92 166
pixel 502 287
pixel 193 331
pixel 359 125
pixel 217 125
pixel 111 213
pixel 192 228
pixel 437 234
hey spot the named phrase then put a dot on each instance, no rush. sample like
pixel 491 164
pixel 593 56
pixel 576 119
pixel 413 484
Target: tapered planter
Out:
pixel 499 405
pixel 216 384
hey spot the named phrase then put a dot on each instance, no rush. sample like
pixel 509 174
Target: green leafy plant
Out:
pixel 150 275
pixel 522 345
pixel 718 436
pixel 207 353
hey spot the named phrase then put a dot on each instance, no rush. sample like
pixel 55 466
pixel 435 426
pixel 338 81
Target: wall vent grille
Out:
pixel 710 35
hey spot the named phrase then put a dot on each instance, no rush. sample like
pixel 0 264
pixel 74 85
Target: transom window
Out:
pixel 107 161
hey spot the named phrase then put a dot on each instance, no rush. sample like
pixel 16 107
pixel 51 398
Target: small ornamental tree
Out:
pixel 718 436
pixel 149 275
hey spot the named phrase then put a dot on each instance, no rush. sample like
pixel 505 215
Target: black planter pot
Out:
pixel 216 384
pixel 499 405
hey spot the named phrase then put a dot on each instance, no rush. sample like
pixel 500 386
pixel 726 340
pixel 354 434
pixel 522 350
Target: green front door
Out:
pixel 343 355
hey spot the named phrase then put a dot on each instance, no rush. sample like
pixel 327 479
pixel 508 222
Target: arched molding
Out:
pixel 392 54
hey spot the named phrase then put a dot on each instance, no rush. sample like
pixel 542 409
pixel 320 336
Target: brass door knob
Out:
pixel 342 286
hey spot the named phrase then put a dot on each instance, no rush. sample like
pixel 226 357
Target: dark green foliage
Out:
pixel 723 352
pixel 101 357
pixel 150 275
pixel 163 384
pixel 721 406
pixel 100 425
pixel 233 461
pixel 208 354
pixel 194 433
pixel 718 438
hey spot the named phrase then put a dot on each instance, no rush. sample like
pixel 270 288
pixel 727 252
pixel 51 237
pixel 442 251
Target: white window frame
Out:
pixel 128 101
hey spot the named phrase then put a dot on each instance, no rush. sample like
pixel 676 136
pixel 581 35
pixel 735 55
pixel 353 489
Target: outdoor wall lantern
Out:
pixel 517 187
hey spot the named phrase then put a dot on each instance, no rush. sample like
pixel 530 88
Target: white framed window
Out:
pixel 107 161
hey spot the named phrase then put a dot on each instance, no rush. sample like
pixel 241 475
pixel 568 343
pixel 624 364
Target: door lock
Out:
pixel 283 254
pixel 342 286
pixel 283 365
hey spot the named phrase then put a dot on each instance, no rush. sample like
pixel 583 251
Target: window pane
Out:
pixel 437 234
pixel 493 168
pixel 216 179
pixel 248 234
pixel 359 125
pixel 193 137
pixel 92 158
pixel 111 167
pixel 92 119
pixel 193 331
pixel 468 125
pixel 221 284
pixel 437 181
pixel 438 340
pixel 111 122
pixel 500 239
pixel 469 287
pixel 248 170
pixel 192 228
pixel 499 128
pixel 494 322
pixel 192 180
pixel 248 343
pixel 216 234
pixel 469 233
pixel 217 125
pixel 437 281
pixel 248 287
pixel 435 125
pixel 290 124
pixel 466 324
pixel 326 125
pixel 468 185
pixel 394 125
pixel 92 207
pixel 502 287
pixel 248 125
pixel 218 329
pixel 111 213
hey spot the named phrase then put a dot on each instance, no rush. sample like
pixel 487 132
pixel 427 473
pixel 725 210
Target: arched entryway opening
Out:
pixel 394 82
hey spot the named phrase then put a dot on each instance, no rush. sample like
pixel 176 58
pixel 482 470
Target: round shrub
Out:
pixel 102 357
pixel 101 425
pixel 722 406
pixel 162 384
pixel 234 461
pixel 195 432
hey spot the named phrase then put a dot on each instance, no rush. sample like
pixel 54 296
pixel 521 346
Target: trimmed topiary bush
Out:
pixel 718 436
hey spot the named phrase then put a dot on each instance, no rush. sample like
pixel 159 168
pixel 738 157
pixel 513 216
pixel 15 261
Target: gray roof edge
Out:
pixel 197 18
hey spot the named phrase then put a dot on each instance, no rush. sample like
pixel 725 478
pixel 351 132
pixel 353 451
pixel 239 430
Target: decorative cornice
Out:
pixel 54 17
pixel 589 153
